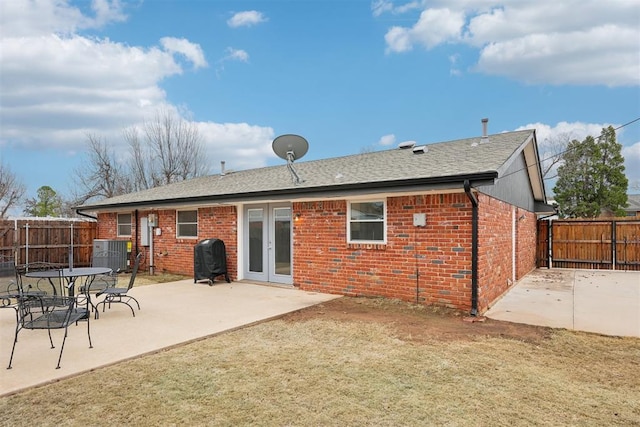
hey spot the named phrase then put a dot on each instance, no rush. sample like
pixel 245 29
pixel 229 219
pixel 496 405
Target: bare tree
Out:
pixel 166 149
pixel 11 190
pixel 101 176
pixel 140 170
pixel 174 150
pixel 552 150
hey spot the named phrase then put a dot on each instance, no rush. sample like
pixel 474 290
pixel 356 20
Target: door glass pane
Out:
pixel 282 240
pixel 255 240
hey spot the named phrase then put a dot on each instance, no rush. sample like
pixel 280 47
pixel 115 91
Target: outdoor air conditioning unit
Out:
pixel 111 253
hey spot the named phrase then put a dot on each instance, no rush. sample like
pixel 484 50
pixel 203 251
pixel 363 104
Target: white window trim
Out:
pixel 178 224
pixel 118 223
pixel 384 222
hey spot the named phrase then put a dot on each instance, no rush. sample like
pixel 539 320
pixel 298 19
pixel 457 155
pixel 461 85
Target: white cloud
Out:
pixel 398 40
pixel 547 42
pixel 56 89
pixel 231 55
pixel 632 165
pixel 236 55
pixel 246 19
pixel 58 85
pixel 434 27
pixel 43 17
pixel 379 7
pixel 552 138
pixel 547 135
pixel 240 145
pixel 387 140
pixel 107 11
pixel 191 51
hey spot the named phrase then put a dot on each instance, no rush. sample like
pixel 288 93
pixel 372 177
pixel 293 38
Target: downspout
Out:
pixel 474 247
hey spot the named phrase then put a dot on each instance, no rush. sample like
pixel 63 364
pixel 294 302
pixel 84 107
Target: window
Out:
pixel 124 225
pixel 367 222
pixel 187 224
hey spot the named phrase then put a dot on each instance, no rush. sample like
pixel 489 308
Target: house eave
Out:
pixel 415 184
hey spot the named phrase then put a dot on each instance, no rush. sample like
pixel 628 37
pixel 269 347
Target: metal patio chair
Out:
pixel 48 310
pixel 39 286
pixel 120 295
pixel 100 282
pixel 8 284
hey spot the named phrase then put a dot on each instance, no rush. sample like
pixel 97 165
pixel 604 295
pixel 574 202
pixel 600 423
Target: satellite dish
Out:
pixel 290 147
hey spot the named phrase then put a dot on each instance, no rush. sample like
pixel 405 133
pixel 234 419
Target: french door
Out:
pixel 268 243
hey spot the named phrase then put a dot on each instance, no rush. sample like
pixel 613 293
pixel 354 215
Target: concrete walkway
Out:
pixel 172 314
pixel 605 302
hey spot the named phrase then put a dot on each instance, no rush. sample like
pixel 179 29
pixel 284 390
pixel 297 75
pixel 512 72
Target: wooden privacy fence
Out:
pixel 48 240
pixel 612 244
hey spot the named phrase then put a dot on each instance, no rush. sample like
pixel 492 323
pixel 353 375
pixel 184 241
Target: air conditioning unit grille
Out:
pixel 111 253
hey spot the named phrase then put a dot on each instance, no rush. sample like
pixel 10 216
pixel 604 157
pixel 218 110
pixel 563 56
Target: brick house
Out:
pixel 450 224
pixel 633 205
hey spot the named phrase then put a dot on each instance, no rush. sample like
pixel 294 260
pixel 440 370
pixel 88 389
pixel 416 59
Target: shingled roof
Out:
pixel 633 200
pixel 478 159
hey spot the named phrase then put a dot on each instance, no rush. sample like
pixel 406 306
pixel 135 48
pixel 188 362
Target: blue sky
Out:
pixel 348 75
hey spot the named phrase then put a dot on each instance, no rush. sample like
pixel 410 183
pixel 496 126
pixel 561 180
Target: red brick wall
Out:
pixel 432 263
pixel 495 247
pixel 527 233
pixel 107 226
pixel 174 255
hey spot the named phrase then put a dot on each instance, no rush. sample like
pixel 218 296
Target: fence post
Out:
pixel 26 243
pixel 550 234
pixel 613 245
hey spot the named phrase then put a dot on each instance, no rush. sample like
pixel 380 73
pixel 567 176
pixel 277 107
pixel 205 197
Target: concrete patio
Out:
pixel 600 301
pixel 172 314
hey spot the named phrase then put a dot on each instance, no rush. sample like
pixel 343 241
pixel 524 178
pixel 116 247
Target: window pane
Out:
pixel 124 230
pixel 124 218
pixel 188 230
pixel 370 231
pixel 255 215
pixel 367 211
pixel 124 224
pixel 282 238
pixel 255 246
pixel 188 216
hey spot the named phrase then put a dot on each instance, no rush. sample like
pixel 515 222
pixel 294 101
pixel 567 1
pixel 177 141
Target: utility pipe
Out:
pixel 474 247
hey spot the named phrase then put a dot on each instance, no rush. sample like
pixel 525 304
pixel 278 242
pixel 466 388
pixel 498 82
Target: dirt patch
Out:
pixel 419 323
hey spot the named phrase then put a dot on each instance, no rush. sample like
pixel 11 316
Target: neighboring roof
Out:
pixel 633 200
pixel 477 159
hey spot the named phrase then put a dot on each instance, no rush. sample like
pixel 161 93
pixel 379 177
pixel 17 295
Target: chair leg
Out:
pixel 137 303
pixel 15 340
pixel 62 348
pixel 89 329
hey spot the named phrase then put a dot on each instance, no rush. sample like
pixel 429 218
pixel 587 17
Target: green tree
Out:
pixel 591 178
pixel 48 203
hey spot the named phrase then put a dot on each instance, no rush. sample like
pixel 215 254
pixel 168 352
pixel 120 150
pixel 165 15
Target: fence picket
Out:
pixel 612 244
pixel 48 240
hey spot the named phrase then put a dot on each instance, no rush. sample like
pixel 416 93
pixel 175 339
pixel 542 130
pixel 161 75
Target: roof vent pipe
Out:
pixel 222 172
pixel 485 137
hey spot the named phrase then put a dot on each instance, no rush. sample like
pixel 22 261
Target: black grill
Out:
pixel 210 261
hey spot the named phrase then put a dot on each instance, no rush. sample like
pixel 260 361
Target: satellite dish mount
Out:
pixel 291 147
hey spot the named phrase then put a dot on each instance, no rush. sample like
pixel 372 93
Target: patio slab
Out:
pixel 604 302
pixel 172 314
